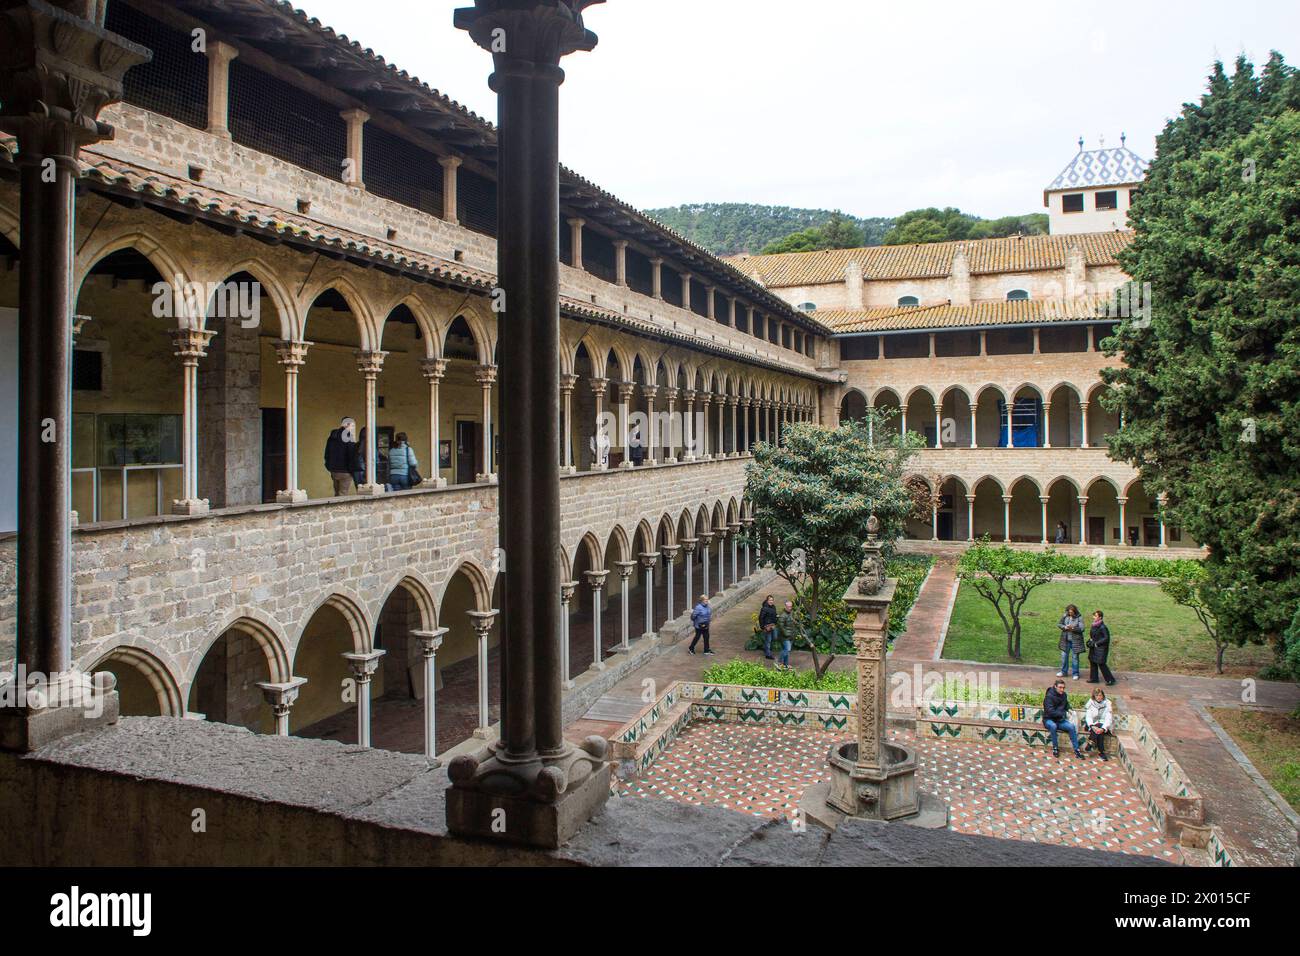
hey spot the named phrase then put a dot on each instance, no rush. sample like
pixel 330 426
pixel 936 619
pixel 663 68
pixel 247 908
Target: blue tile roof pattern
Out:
pixel 1101 167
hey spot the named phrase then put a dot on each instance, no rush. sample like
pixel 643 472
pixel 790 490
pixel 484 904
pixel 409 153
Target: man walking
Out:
pixel 701 616
pixel 767 624
pixel 343 457
pixel 787 627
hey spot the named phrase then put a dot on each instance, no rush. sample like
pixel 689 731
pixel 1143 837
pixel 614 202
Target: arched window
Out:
pixel 807 307
pixel 908 300
pixel 1018 295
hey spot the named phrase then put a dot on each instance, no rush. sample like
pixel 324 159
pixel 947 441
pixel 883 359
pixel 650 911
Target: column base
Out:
pixel 568 469
pixel 433 483
pixel 485 479
pixel 191 506
pixel 543 803
pixel 670 461
pixel 370 491
pixel 24 729
pixel 626 465
pixel 567 684
pixel 291 496
pixel 597 666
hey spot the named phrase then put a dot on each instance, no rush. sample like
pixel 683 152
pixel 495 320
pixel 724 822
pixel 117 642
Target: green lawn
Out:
pixel 1149 632
pixel 1272 742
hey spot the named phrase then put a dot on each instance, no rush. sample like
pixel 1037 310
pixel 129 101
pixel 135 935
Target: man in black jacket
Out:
pixel 1056 716
pixel 767 624
pixel 343 457
pixel 1099 650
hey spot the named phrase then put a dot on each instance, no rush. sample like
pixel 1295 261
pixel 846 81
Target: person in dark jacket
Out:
pixel 767 624
pixel 636 447
pixel 788 628
pixel 1071 643
pixel 701 617
pixel 343 457
pixel 1056 716
pixel 1099 650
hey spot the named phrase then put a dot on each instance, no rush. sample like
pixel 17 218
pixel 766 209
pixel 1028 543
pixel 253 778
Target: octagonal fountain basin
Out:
pixel 887 793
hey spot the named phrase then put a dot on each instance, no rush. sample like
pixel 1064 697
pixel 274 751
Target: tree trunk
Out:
pixel 1218 657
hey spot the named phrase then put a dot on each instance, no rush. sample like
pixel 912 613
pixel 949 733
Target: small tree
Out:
pixel 812 497
pixel 1005 578
pixel 1190 587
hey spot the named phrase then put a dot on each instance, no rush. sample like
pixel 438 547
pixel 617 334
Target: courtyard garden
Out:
pixel 1149 632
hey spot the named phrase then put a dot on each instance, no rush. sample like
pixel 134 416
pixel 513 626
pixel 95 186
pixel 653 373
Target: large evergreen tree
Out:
pixel 1210 387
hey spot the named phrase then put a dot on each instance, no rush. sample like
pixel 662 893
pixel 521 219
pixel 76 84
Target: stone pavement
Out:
pixel 998 790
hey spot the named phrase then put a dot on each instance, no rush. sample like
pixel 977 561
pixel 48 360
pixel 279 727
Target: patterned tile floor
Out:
pixel 992 789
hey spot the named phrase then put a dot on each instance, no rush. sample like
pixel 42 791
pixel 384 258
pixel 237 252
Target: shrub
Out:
pixel 754 674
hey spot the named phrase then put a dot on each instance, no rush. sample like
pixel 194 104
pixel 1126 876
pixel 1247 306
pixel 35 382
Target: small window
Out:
pixel 807 306
pixel 1072 202
pixel 87 370
pixel 908 300
pixel 1018 295
pixel 1108 199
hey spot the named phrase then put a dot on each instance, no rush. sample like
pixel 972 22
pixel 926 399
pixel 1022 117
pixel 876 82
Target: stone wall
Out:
pixel 172 586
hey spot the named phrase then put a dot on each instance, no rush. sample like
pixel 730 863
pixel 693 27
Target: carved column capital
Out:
pixel 191 344
pixel 370 363
pixel 485 375
pixel 568 381
pixel 434 369
pixel 292 354
pixel 596 579
pixel 483 621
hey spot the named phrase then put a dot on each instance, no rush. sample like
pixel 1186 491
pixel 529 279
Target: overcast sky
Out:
pixel 874 108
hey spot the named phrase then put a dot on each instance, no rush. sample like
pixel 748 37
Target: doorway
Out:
pixel 274 465
pixel 469 444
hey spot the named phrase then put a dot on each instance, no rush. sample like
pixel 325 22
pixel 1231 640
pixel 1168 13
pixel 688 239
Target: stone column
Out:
pixel 648 561
pixel 281 697
pixel 450 190
pixel 625 569
pixel 686 291
pixel 620 262
pixel 1162 500
pixel 1043 499
pixel 483 622
pixel 575 241
pixel 292 356
pixel 670 555
pixel 938 426
pixel 1123 522
pixel 673 433
pixel 722 558
pixel 745 445
pixel 710 303
pixel 353 174
pixel 1006 518
pixel 435 370
pixel 430 641
pixel 1010 407
pixel 219 56
pixel 934 517
pixel 599 388
pixel 625 392
pixel 749 530
pixel 1092 339
pixel 1047 425
pixel 567 383
pixel 734 533
pixel 567 591
pixel 1083 520
pixel 705 538
pixel 722 428
pixel 597 581
pixel 970 517
pixel 733 403
pixel 486 376
pixel 370 364
pixel 363 667
pixel 1083 421
pixel 706 401
pixel 903 422
pixel 688 546
pixel 57 71
pixel 650 438
pixel 191 345
pixel 688 426
pixel 657 278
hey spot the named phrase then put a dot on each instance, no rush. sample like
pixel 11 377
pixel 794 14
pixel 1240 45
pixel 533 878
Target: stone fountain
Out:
pixel 872 778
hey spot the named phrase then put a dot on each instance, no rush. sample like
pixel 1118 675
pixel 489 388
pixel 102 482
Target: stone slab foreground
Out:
pixel 163 791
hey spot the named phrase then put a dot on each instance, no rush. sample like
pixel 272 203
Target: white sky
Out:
pixel 871 107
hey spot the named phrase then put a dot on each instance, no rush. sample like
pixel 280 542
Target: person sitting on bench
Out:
pixel 1056 716
pixel 1097 719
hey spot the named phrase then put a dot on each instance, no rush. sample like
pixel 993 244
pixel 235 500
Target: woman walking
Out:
pixel 1071 643
pixel 401 463
pixel 1099 650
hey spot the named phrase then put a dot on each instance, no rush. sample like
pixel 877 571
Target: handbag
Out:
pixel 414 474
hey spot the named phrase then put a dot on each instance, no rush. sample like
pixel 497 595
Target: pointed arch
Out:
pixel 159 676
pixel 357 305
pixel 479 580
pixel 173 269
pixel 257 625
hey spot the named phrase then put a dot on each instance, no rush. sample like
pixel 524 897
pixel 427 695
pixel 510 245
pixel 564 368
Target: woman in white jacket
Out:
pixel 1097 719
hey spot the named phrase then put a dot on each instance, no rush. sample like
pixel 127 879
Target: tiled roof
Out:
pixel 923 318
pixel 931 260
pixel 1101 167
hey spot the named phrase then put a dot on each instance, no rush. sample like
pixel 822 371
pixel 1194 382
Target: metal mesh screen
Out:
pixel 175 82
pixel 598 255
pixel 397 169
pixel 672 285
pixel 566 241
pixel 639 273
pixel 699 298
pixel 277 118
pixel 477 202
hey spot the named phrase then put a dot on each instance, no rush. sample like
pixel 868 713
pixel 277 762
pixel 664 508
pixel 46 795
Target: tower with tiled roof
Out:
pixel 1094 191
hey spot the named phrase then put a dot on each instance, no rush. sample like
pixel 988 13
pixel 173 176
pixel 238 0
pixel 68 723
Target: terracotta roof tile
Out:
pixel 932 260
pixel 924 318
